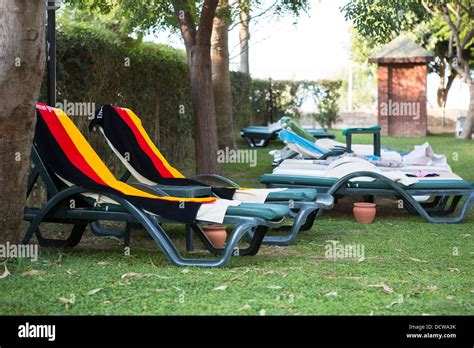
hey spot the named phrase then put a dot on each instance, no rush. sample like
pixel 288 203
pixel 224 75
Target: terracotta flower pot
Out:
pixel 216 235
pixel 364 213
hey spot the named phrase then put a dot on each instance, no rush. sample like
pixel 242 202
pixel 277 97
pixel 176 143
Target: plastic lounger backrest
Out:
pixel 293 125
pixel 66 152
pixel 290 137
pixel 131 143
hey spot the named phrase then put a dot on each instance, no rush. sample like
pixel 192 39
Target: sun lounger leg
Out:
pixel 168 248
pixel 409 202
pixel 305 217
pixel 127 234
pixel 189 238
pixel 73 239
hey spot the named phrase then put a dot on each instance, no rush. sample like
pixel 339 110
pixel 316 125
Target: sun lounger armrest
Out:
pixel 334 153
pixel 150 189
pixel 215 177
pixel 375 130
pixel 361 130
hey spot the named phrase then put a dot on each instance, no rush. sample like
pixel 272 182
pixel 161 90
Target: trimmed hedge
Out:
pixel 95 66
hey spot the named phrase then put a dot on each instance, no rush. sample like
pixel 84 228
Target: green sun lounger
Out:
pixel 447 194
pixel 124 133
pixel 260 136
pixel 72 172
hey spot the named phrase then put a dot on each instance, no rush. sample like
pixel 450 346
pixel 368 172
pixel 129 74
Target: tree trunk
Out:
pixel 205 128
pixel 221 77
pixel 198 50
pixel 22 57
pixel 468 126
pixel 244 37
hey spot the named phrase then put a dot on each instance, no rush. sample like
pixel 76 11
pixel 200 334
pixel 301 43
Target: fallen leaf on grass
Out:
pixel 33 272
pixel 93 291
pixel 6 273
pixel 67 301
pixel 280 307
pixel 387 288
pixel 262 312
pixel 397 301
pixel 244 307
pixel 163 277
pixel 135 275
pixel 417 260
pixel 384 286
pixel 245 271
pixel 331 294
pixel 58 261
pixel 432 287
pixel 221 288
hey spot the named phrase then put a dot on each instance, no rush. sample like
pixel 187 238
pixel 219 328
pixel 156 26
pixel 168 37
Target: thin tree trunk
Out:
pixel 198 50
pixel 468 126
pixel 205 128
pixel 221 77
pixel 244 37
pixel 22 57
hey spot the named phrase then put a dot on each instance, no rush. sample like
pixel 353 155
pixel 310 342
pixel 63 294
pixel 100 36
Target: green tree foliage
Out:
pixel 382 20
pixel 286 99
pixel 326 94
pixel 379 21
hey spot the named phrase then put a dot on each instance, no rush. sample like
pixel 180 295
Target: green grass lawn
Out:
pixel 410 267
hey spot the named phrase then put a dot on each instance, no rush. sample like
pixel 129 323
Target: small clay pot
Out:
pixel 364 213
pixel 216 235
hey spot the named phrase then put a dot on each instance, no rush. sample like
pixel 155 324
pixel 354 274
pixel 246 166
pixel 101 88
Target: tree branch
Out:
pixel 252 18
pixel 467 38
pixel 456 14
pixel 208 11
pixel 428 9
pixel 185 22
pixel 462 67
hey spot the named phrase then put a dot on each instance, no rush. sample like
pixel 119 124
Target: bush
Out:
pixel 241 107
pixel 326 95
pixel 287 98
pixel 96 65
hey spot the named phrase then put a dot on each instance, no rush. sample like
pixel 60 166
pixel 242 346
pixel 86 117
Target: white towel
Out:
pixel 254 195
pixel 215 211
pixel 424 155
